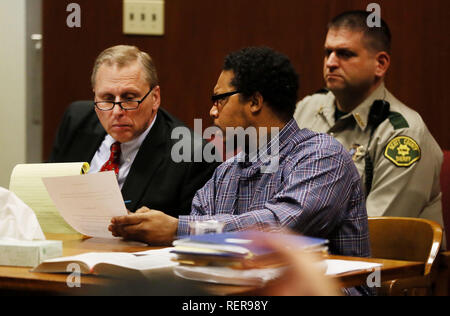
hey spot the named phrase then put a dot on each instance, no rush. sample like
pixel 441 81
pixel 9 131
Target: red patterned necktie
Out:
pixel 114 159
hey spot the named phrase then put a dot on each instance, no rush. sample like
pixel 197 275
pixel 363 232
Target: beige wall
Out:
pixel 12 87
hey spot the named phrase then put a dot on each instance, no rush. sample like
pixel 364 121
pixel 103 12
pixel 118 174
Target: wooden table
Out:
pixel 391 269
pixel 20 280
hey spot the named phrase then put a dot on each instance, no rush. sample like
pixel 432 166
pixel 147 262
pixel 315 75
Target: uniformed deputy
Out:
pixel 397 157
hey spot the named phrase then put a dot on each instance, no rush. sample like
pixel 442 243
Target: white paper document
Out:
pixel 226 275
pixel 87 202
pixel 259 277
pixel 336 267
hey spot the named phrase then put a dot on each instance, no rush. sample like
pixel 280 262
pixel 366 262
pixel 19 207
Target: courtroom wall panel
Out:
pixel 199 33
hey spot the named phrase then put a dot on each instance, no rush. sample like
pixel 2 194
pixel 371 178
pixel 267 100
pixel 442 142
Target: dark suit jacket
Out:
pixel 154 180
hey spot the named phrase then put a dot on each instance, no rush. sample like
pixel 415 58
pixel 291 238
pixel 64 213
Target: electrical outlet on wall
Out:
pixel 143 17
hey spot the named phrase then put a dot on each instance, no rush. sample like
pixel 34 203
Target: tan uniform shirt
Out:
pixel 406 158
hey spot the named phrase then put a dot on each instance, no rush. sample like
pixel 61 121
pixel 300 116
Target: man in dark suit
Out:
pixel 127 131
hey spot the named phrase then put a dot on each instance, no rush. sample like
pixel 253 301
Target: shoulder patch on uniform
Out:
pixel 402 151
pixel 397 120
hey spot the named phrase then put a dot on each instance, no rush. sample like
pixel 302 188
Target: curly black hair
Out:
pixel 263 70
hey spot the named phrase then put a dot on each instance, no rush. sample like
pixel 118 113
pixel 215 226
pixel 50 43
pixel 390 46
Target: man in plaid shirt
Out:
pixel 304 181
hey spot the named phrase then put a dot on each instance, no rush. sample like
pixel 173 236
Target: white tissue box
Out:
pixel 20 253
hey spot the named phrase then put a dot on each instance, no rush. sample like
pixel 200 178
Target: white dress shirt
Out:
pixel 129 151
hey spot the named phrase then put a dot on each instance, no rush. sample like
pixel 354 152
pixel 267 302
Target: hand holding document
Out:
pixel 87 202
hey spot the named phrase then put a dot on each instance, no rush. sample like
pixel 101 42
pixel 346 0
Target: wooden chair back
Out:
pixel 445 188
pixel 410 239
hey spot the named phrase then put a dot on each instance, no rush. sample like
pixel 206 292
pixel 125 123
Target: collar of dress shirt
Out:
pixel 274 147
pixel 128 148
pixel 361 112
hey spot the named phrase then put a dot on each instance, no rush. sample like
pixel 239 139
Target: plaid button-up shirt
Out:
pixel 316 190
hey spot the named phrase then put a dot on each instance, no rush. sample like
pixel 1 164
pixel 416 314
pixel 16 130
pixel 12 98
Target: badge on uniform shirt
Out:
pixel 357 151
pixel 402 151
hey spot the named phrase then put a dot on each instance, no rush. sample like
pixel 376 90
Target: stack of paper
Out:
pixel 224 275
pixel 260 277
pixel 239 259
pixel 239 250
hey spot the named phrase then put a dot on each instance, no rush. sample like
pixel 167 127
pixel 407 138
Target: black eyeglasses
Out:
pixel 124 105
pixel 220 98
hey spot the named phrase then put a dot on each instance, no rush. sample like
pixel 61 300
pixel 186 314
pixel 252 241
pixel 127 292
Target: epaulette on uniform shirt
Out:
pixel 398 121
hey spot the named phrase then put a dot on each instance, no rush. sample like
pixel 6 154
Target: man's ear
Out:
pixel 257 101
pixel 156 97
pixel 383 61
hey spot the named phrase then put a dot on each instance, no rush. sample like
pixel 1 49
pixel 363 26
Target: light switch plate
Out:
pixel 143 17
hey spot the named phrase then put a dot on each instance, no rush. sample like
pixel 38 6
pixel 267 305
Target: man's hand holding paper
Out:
pixel 150 226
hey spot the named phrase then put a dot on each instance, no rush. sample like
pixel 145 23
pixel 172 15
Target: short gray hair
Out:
pixel 124 55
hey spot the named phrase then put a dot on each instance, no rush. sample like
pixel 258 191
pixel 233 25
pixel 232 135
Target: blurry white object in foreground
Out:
pixel 17 220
